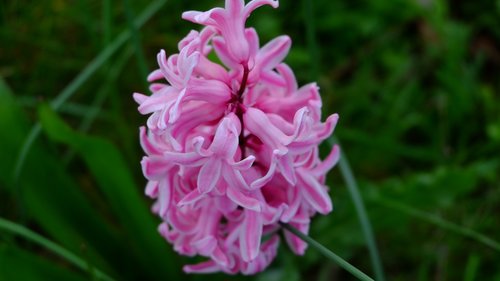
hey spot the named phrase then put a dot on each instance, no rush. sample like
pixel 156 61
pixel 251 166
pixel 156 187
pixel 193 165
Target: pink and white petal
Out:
pixel 244 164
pixel 287 73
pixel 181 222
pixel 330 161
pixel 155 167
pixel 164 196
pixel 250 235
pixel 314 193
pixel 223 53
pixel 297 245
pixel 260 182
pixel 253 43
pixel 273 53
pixel 203 267
pixel 155 75
pixel 267 254
pixel 254 4
pixel 285 164
pixel 175 111
pixel 191 198
pixel 243 200
pixel 152 189
pixel 206 245
pixel 168 73
pixel 210 91
pixel 139 98
pixel 328 127
pixel 146 144
pixel 211 70
pixel 259 125
pixel 209 175
pixel 190 159
pixel 219 257
pixel 233 178
pixel 272 215
pixel 293 205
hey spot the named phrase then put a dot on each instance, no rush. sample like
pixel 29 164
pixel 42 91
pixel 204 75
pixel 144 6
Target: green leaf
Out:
pixel 19 230
pixel 110 170
pixel 18 264
pixel 46 194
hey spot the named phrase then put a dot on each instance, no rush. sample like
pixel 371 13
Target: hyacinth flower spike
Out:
pixel 232 148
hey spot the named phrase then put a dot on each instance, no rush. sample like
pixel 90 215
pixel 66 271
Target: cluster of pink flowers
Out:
pixel 232 149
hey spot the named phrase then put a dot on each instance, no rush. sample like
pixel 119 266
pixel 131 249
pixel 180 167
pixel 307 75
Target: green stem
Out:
pixel 366 226
pixel 82 77
pixel 327 253
pixel 51 246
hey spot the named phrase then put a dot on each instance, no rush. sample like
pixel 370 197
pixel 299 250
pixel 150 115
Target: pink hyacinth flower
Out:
pixel 232 150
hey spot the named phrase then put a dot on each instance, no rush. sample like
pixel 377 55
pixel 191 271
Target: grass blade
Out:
pixel 22 231
pixel 136 40
pixel 19 264
pixel 329 254
pixel 366 226
pixel 81 78
pixel 433 219
pixel 110 170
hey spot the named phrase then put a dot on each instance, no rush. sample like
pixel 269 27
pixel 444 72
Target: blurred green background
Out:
pixel 416 84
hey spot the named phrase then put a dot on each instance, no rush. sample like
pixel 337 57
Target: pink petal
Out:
pixel 152 189
pixel 297 245
pixel 286 168
pixel 244 164
pixel 259 124
pixel 331 160
pixel 274 52
pixel 191 198
pixel 267 177
pixel 155 75
pixel 293 205
pixel 155 167
pixel 209 175
pixel 250 235
pixel 190 159
pixel 315 193
pixel 204 267
pixel 146 144
pixel 254 4
pixel 164 196
pixel 243 200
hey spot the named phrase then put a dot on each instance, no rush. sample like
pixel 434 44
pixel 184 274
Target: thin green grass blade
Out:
pixel 106 22
pixel 329 254
pixel 20 264
pixel 110 170
pixel 81 78
pixel 94 110
pixel 96 106
pixel 366 226
pixel 344 164
pixel 70 108
pixel 51 198
pixel 312 44
pixel 136 40
pixel 26 233
pixel 440 222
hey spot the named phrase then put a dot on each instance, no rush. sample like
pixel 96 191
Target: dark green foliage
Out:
pixel 416 84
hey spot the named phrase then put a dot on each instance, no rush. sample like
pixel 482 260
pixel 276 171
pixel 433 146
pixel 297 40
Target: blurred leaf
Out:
pixel 19 230
pixel 107 165
pixel 47 194
pixel 18 264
